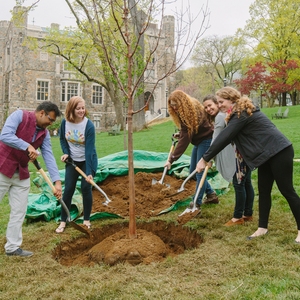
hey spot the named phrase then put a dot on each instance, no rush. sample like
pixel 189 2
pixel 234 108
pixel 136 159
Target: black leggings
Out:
pixel 278 168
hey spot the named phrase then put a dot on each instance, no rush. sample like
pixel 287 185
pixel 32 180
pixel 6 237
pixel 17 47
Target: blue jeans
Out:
pixel 71 177
pixel 244 195
pixel 197 154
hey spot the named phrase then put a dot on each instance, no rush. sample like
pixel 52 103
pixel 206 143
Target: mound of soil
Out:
pixel 155 241
pixel 110 244
pixel 150 199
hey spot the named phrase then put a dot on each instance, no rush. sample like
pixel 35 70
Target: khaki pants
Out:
pixel 18 198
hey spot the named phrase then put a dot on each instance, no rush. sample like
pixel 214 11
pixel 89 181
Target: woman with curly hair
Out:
pixel 262 146
pixel 189 116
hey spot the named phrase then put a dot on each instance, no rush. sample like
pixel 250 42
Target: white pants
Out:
pixel 18 191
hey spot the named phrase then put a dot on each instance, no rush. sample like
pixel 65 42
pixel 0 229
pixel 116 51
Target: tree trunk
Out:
pixel 283 103
pixel 131 183
pixel 294 97
pixel 116 97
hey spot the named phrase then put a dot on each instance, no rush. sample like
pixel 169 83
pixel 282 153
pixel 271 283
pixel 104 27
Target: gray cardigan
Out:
pixel 225 160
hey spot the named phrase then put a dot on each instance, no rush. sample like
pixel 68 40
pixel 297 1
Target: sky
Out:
pixel 226 16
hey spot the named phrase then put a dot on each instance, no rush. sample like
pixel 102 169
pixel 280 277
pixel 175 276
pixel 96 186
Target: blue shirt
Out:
pixel 8 136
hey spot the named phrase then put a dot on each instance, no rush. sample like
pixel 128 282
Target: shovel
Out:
pixel 181 189
pixel 154 181
pixel 72 223
pixel 70 161
pixel 190 213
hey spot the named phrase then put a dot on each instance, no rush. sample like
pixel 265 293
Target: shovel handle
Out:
pixel 70 161
pixel 200 184
pixel 47 179
pixel 163 175
pixel 171 150
pixel 166 169
pixel 187 179
pixel 91 181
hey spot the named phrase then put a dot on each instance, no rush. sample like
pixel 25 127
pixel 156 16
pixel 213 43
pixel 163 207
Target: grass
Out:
pixel 225 266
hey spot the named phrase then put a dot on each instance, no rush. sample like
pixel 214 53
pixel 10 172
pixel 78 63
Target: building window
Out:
pixel 150 73
pixel 97 95
pixel 97 121
pixel 68 90
pixel 42 90
pixel 43 56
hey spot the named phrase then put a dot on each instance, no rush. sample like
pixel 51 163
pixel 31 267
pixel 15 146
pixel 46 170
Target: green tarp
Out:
pixel 45 206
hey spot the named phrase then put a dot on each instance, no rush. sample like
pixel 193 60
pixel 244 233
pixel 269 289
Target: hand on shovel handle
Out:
pixel 89 179
pixel 62 203
pixel 167 165
pixel 57 192
pixel 47 179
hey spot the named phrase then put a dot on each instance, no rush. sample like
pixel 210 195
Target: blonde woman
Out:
pixel 231 166
pixel 262 146
pixel 189 116
pixel 77 140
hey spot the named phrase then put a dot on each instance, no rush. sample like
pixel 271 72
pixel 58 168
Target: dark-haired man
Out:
pixel 24 132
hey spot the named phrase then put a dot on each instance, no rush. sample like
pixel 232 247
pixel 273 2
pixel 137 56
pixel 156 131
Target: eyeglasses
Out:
pixel 50 119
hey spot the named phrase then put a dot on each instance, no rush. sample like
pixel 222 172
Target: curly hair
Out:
pixel 242 103
pixel 189 112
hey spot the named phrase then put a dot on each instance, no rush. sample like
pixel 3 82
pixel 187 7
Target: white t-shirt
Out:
pixel 76 139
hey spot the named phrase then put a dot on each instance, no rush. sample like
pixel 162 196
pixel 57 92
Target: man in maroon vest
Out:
pixel 23 133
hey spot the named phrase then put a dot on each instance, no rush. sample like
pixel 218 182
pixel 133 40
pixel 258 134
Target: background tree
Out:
pixel 193 82
pixel 220 57
pixel 273 31
pixel 273 79
pixel 255 80
pixel 107 49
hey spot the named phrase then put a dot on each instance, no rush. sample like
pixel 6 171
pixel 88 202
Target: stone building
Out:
pixel 28 77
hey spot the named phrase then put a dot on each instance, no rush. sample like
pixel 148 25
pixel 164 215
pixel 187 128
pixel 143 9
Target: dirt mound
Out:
pixel 110 244
pixel 150 199
pixel 155 241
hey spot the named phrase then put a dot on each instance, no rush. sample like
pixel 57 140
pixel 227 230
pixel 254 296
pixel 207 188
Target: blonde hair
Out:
pixel 189 111
pixel 71 106
pixel 242 103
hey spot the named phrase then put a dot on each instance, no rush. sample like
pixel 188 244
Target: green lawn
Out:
pixel 225 266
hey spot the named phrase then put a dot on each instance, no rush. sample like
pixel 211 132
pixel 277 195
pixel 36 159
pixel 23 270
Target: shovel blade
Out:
pixel 187 215
pixel 186 211
pixel 106 202
pixel 154 181
pixel 81 228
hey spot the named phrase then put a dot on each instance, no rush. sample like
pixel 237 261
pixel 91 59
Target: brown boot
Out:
pixel 211 199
